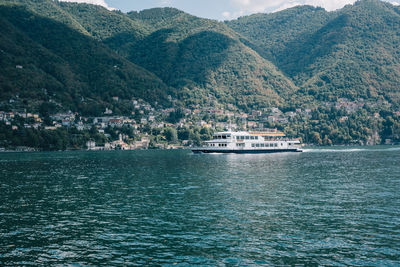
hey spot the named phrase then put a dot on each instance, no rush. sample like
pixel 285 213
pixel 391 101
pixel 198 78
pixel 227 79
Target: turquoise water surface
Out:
pixel 336 206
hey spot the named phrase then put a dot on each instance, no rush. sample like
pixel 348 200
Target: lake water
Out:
pixel 336 206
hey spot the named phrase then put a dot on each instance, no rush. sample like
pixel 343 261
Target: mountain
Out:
pixel 334 75
pixel 203 60
pixel 352 52
pixel 79 56
pixel 45 60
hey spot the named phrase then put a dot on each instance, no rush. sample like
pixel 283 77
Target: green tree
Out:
pixel 171 135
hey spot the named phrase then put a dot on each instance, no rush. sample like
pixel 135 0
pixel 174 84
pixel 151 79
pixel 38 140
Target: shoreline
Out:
pixel 308 146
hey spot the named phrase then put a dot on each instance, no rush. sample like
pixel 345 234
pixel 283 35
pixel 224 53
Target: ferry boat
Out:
pixel 264 141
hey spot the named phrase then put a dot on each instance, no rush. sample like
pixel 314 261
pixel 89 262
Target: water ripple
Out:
pixel 328 207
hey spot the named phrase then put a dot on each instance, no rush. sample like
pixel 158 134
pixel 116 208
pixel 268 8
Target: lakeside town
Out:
pixel 169 128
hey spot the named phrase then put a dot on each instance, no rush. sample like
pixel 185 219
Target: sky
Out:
pixel 220 9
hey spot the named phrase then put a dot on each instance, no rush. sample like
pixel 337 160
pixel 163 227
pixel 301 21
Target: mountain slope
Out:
pixel 202 60
pixel 43 59
pixel 201 57
pixel 353 52
pixel 272 33
pixel 102 24
pixel 303 56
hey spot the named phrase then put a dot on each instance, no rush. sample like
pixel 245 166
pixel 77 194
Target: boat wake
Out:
pixel 333 150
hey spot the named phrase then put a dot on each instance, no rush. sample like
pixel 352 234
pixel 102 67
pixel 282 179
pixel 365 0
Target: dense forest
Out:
pixel 59 56
pixel 352 52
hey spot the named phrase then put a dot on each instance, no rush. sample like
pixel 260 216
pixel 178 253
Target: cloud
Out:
pixel 93 2
pixel 396 3
pixel 254 6
pixel 246 7
pixel 226 15
pixel 165 2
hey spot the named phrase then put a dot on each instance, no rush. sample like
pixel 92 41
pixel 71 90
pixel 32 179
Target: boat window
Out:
pixel 256 137
pixel 262 145
pixel 281 144
pixel 257 145
pixel 224 137
pixel 252 137
pixel 247 137
pixel 276 145
pixel 252 145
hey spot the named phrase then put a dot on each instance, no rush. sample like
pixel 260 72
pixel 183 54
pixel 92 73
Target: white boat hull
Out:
pixel 243 151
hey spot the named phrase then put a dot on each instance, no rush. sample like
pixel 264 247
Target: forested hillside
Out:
pixel 300 56
pixel 198 57
pixel 334 77
pixel 352 52
pixel 43 59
